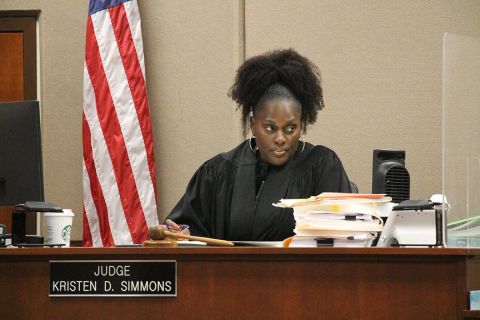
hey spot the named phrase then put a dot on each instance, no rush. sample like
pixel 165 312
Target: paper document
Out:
pixel 187 243
pixel 275 244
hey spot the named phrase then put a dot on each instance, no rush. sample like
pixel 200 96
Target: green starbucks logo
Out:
pixel 66 232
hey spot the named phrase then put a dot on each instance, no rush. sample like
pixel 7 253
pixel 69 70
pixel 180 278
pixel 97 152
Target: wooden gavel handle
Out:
pixel 210 241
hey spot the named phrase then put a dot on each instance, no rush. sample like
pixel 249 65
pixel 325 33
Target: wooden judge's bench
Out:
pixel 258 283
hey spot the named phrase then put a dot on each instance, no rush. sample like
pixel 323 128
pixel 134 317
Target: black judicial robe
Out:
pixel 220 200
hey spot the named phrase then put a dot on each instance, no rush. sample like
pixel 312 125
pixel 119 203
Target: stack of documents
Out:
pixel 337 219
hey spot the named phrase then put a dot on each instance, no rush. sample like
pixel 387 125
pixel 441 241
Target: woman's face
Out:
pixel 277 127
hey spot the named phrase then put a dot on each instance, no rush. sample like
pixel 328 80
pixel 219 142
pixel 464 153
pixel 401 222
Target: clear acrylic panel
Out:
pixel 461 139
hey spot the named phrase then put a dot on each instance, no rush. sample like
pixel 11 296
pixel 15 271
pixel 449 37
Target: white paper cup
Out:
pixel 59 227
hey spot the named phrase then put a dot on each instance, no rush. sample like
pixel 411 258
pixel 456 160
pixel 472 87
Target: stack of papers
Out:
pixel 337 219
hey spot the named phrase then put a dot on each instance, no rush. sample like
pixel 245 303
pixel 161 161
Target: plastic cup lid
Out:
pixel 65 213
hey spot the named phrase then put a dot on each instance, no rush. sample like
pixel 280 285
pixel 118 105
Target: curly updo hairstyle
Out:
pixel 278 74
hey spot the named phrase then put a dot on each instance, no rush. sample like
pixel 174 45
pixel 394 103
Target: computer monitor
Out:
pixel 21 173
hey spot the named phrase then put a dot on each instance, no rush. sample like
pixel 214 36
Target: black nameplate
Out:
pixel 113 278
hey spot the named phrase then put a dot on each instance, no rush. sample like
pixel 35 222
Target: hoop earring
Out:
pixel 250 144
pixel 303 144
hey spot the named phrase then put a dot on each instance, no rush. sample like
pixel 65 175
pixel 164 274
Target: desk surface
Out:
pixel 259 283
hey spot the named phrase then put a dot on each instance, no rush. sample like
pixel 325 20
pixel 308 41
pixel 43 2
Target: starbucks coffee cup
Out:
pixel 59 227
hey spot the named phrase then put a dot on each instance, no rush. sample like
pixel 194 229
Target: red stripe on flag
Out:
pixel 114 139
pixel 136 82
pixel 95 188
pixel 87 234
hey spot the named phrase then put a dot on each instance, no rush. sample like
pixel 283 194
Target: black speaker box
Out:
pixel 390 175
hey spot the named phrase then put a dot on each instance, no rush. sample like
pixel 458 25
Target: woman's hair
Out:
pixel 278 74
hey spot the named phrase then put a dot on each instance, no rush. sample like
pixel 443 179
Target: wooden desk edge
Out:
pixel 237 251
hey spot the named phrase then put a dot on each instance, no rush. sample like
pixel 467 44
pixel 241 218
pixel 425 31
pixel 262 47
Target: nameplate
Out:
pixel 113 278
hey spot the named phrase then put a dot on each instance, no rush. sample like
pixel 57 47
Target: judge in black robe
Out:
pixel 231 195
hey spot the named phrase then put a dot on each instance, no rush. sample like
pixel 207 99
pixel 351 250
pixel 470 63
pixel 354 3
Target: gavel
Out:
pixel 161 232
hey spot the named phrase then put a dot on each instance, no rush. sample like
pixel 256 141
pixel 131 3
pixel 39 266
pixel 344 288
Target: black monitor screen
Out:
pixel 21 175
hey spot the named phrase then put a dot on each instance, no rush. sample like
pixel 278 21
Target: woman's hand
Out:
pixel 180 229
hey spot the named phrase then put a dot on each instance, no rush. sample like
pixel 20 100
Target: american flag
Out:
pixel 118 163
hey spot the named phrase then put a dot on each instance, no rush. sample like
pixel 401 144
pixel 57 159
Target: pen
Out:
pixel 180 227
